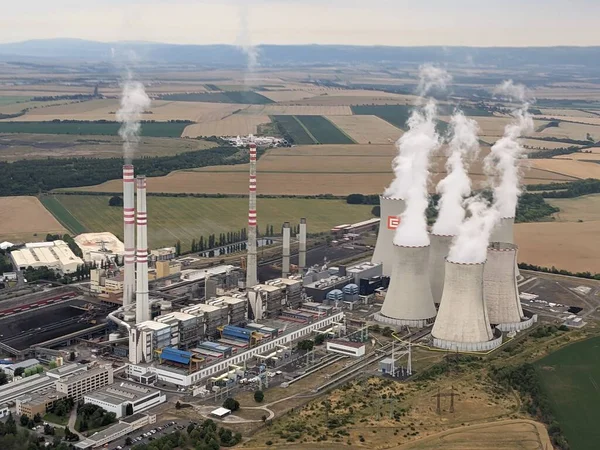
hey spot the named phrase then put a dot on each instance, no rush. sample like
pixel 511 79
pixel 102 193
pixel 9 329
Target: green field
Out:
pixel 397 115
pixel 571 378
pixel 150 129
pixel 324 131
pixel 10 100
pixel 62 214
pixel 244 97
pixel 186 218
pixel 293 130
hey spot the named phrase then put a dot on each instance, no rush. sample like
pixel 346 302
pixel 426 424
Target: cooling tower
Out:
pixel 503 232
pixel 462 322
pixel 440 246
pixel 129 235
pixel 408 300
pixel 285 264
pixel 142 301
pixel 390 210
pixel 302 246
pixel 500 289
pixel 251 265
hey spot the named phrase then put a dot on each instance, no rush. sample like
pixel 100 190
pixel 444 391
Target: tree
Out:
pixel 259 396
pixel 355 199
pixel 128 441
pixel 72 356
pixel 376 211
pixel 129 409
pixel 231 404
pixel 19 370
pixel 319 339
pixel 48 430
pixel 24 420
pixel 37 418
pixel 178 405
pixel 264 418
pixel 3 378
pixel 10 427
pixel 115 200
pixel 178 248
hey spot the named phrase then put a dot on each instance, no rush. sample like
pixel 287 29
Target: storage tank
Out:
pixel 390 210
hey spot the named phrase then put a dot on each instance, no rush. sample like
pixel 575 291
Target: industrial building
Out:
pixel 270 299
pixel 162 254
pixel 348 348
pixel 98 247
pixel 116 397
pixel 359 227
pixel 126 425
pixel 55 255
pixel 10 369
pixel 77 385
pixel 38 403
pixel 390 211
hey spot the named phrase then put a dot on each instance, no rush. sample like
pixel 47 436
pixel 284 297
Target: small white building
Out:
pixel 347 348
pixel 125 426
pixel 115 398
pixel 220 412
pixel 4 411
pixel 55 255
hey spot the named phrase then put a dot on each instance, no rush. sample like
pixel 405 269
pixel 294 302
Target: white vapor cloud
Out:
pixel 134 101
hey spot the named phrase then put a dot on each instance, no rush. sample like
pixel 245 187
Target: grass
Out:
pixel 571 377
pixel 291 127
pixel 324 131
pixel 63 215
pixel 245 97
pixel 397 115
pixel 187 218
pixel 10 100
pixel 151 129
pixel 53 418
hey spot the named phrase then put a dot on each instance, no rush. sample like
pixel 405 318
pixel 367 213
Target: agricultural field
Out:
pixel 233 125
pixel 581 156
pixel 155 129
pixel 367 129
pixel 571 246
pixel 293 110
pixel 287 96
pixel 187 218
pixel 40 146
pixel 244 97
pixel 572 168
pixel 594 120
pixel 397 115
pixel 29 220
pixel 324 131
pixel 585 208
pixel 570 377
pixel 569 130
pixel 12 100
pixel 293 129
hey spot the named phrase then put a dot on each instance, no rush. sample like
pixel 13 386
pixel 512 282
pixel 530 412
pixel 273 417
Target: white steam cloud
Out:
pixel 471 243
pixel 432 76
pixel 456 186
pixel 244 42
pixel 502 164
pixel 134 101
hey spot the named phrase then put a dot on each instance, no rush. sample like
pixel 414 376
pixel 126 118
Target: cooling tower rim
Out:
pixel 508 247
pixel 458 263
pixel 391 198
pixel 411 246
pixel 507 217
pixel 431 233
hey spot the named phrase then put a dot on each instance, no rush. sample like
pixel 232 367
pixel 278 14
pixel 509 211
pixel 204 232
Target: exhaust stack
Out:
pixel 128 234
pixel 408 300
pixel 285 265
pixel 251 266
pixel 390 210
pixel 302 246
pixel 462 322
pixel 142 301
pixel 440 246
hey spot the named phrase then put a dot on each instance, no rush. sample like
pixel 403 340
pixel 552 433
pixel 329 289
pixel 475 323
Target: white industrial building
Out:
pixel 55 255
pixel 125 426
pixel 115 398
pixel 100 246
pixel 145 338
pixel 347 348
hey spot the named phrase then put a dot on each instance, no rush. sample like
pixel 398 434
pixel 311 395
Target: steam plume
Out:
pixel 134 102
pixel 244 42
pixel 456 186
pixel 502 164
pixel 471 243
pixel 432 76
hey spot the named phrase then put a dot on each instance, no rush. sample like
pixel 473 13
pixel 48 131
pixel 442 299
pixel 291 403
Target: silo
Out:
pixel 390 210
pixel 500 288
pixel 440 246
pixel 462 322
pixel 408 300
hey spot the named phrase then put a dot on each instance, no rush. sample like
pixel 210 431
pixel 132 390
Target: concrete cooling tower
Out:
pixel 440 246
pixel 408 300
pixel 462 322
pixel 504 232
pixel 390 210
pixel 500 289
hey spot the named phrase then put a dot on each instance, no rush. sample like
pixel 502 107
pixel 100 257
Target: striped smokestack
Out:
pixel 142 310
pixel 128 234
pixel 302 246
pixel 251 266
pixel 285 265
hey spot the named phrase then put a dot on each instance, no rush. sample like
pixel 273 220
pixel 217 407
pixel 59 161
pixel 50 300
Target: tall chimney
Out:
pixel 142 310
pixel 128 234
pixel 302 246
pixel 251 266
pixel 285 265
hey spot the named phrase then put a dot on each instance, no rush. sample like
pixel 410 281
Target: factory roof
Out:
pixel 289 281
pixel 27 385
pixel 66 369
pixel 22 364
pixel 151 324
pixel 40 398
pixel 232 300
pixel 267 287
pixel 119 393
pixel 56 253
pixel 362 266
pixel 177 315
pixel 366 222
pixel 347 343
pixel 108 432
pixel 74 377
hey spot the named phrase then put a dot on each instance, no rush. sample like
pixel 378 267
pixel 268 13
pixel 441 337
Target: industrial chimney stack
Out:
pixel 251 266
pixel 142 301
pixel 285 265
pixel 389 213
pixel 129 234
pixel 302 246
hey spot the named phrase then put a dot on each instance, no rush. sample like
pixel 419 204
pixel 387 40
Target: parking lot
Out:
pixel 146 434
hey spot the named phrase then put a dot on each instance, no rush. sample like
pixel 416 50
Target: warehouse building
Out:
pixel 10 369
pixel 125 426
pixel 116 397
pixel 39 403
pixel 55 255
pixel 347 348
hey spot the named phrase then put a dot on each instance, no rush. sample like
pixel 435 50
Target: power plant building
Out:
pixel 116 397
pixel 54 255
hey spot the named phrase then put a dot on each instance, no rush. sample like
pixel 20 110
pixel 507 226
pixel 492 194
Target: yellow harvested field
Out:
pixel 349 100
pixel 28 217
pixel 572 168
pixel 536 144
pixel 18 107
pixel 494 126
pixel 595 120
pixel 367 129
pixel 286 96
pixel 586 208
pixel 106 110
pixel 276 109
pixel 568 245
pixel 339 150
pixel 553 112
pixel 564 93
pixel 580 156
pixel 570 130
pixel 234 125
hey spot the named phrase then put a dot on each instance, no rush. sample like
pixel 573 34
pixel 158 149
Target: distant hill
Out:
pixel 502 57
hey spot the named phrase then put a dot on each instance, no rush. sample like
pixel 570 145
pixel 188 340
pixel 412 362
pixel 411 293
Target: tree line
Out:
pixel 33 176
pixel 567 190
pixel 554 270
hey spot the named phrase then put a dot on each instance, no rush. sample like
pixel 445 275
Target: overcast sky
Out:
pixel 362 22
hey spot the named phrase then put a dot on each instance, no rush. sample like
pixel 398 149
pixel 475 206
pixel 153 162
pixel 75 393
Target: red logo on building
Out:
pixel 393 222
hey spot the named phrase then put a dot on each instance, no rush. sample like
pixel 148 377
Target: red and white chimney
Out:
pixel 128 234
pixel 142 309
pixel 251 266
